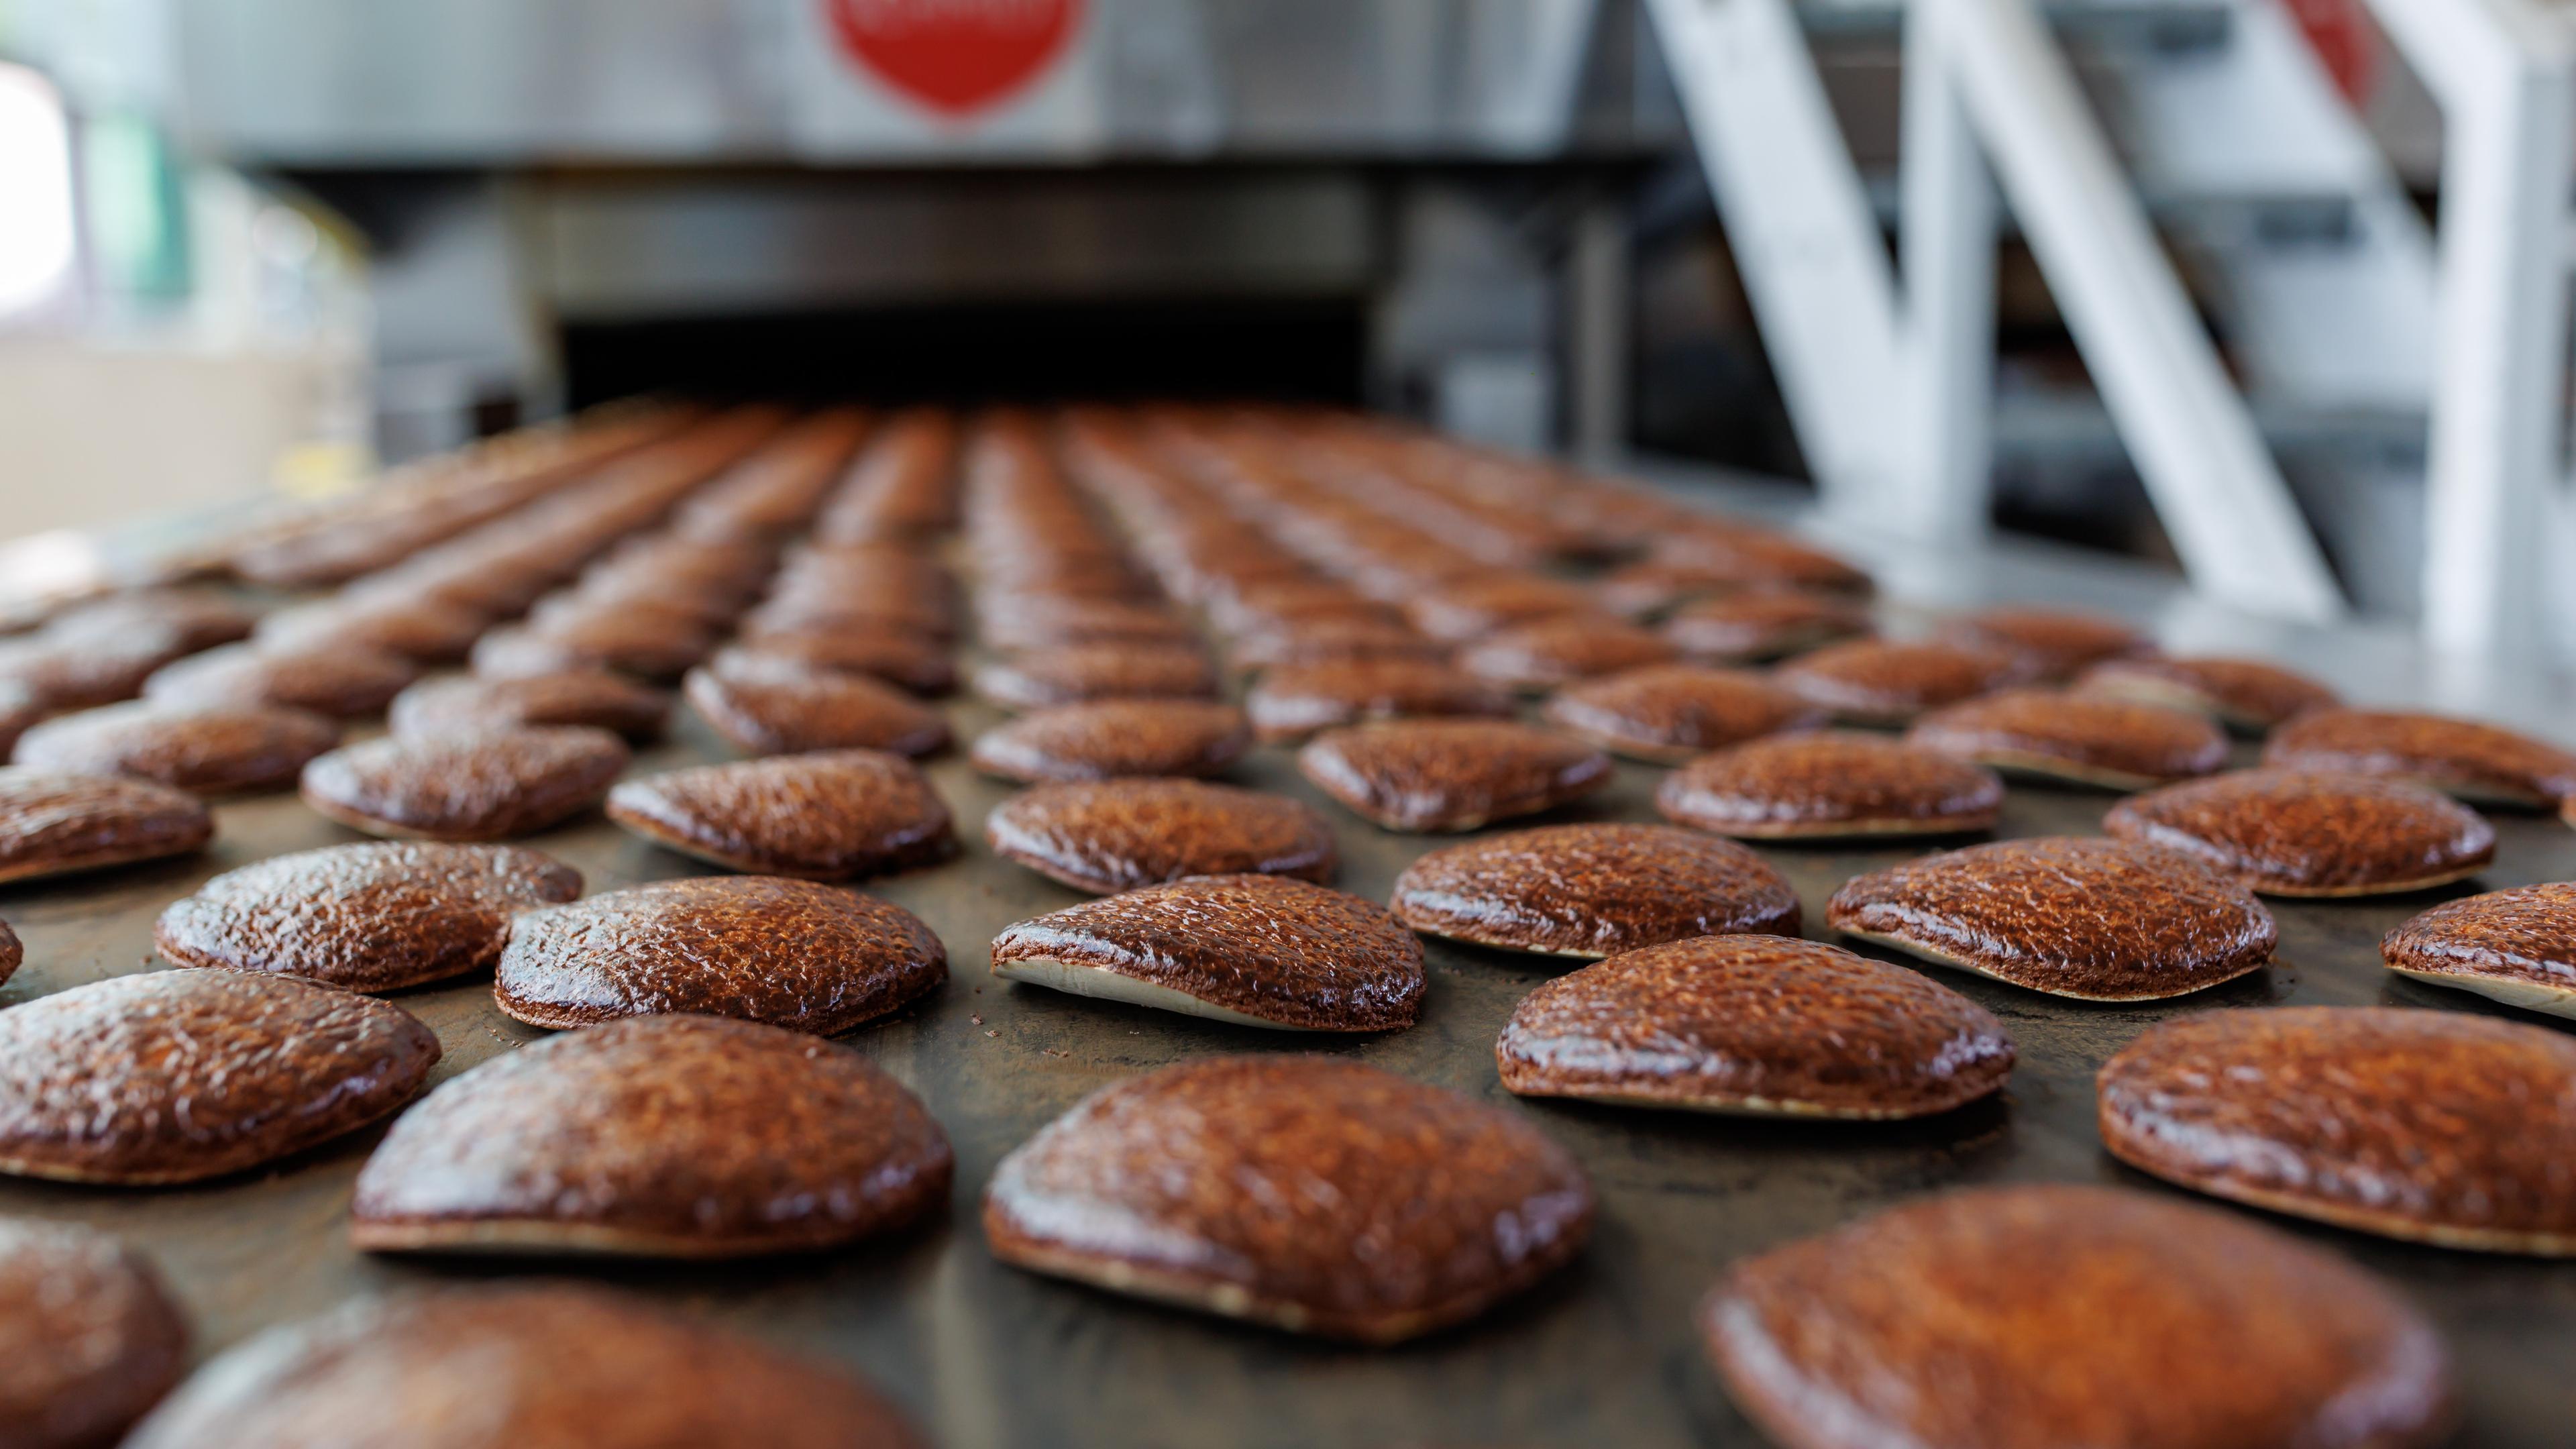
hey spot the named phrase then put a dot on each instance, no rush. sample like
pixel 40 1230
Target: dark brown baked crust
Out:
pixel 1544 653
pixel 2245 694
pixel 217 750
pixel 1296 700
pixel 1760 1025
pixel 1471 607
pixel 777 707
pixel 470 704
pixel 465 787
pixel 2043 1315
pixel 755 948
pixel 53 824
pixel 2115 743
pixel 1112 739
pixel 1593 890
pixel 178 1076
pixel 1328 641
pixel 1144 1187
pixel 826 815
pixel 1830 783
pixel 426 630
pixel 339 682
pixel 2051 643
pixel 537 1367
pixel 1758 624
pixel 90 1336
pixel 664 1136
pixel 2302 833
pixel 1668 713
pixel 2517 946
pixel 1450 774
pixel 2475 761
pixel 2096 920
pixel 2432 1126
pixel 652 644
pixel 1256 949
pixel 901 657
pixel 1113 669
pixel 1115 835
pixel 1891 681
pixel 373 917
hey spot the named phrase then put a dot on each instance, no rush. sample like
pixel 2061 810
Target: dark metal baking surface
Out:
pixel 990 1356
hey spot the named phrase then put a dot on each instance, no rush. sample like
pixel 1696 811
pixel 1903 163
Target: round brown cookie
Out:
pixel 1255 950
pixel 47 673
pixel 666 1137
pixel 1270 603
pixel 913 662
pixel 2049 1314
pixel 492 786
pixel 1073 673
pixel 181 621
pixel 1296 700
pixel 2050 643
pixel 1754 1025
pixel 13 952
pixel 19 712
pixel 653 646
pixel 1112 739
pixel 2516 946
pixel 217 750
pixel 1116 835
pixel 2243 694
pixel 1829 784
pixel 53 824
pixel 2302 833
pixel 1591 891
pixel 178 1076
pixel 1739 556
pixel 325 680
pixel 1329 641
pixel 1450 774
pixel 1670 713
pixel 470 704
pixel 1158 1187
pixel 2112 743
pixel 1046 622
pixel 1891 681
pixel 825 815
pixel 2480 763
pixel 1478 604
pixel 2432 1126
pixel 790 953
pixel 429 631
pixel 1758 624
pixel 1544 653
pixel 91 1337
pixel 2096 920
pixel 551 1367
pixel 372 917
pixel 777 707
pixel 1649 588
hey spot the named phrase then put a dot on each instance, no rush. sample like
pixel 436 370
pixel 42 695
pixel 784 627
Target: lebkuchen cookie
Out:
pixel 1830 784
pixel 1255 950
pixel 1114 739
pixel 2516 946
pixel 2096 920
pixel 914 662
pixel 665 1137
pixel 1111 669
pixel 790 953
pixel 339 683
pixel 2432 1126
pixel 492 786
pixel 1590 891
pixel 1743 556
pixel 179 1076
pixel 1331 641
pixel 1420 1208
pixel 1115 835
pixel 2051 644
pixel 517 1368
pixel 1039 623
pixel 218 750
pixel 1543 653
pixel 1294 701
pixel 2049 1314
pixel 13 952
pixel 426 631
pixel 1475 605
pixel 469 704
pixel 1652 588
pixel 650 645
pixel 827 815
pixel 1447 775
pixel 768 706
pixel 1892 681
pixel 55 824
pixel 2111 743
pixel 2248 695
pixel 1762 624
pixel 374 917
pixel 1755 1025
pixel 91 1336
pixel 2480 763
pixel 1671 713
pixel 2301 833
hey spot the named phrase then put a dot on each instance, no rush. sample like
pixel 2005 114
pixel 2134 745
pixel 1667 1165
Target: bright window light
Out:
pixel 36 246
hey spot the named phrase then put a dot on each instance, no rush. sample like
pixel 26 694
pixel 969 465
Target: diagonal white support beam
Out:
pixel 1948 333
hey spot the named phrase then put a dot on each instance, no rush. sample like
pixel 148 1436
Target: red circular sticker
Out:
pixel 956 57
